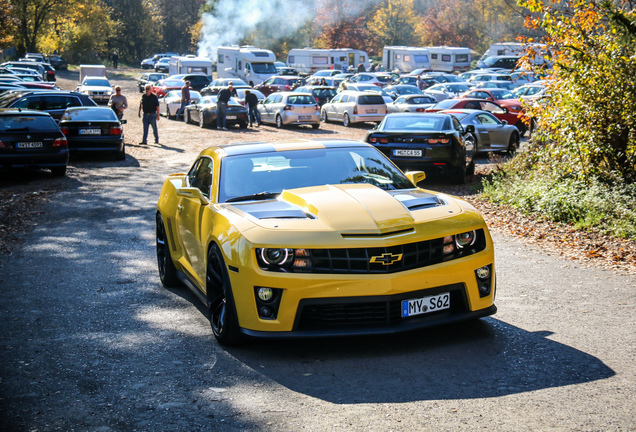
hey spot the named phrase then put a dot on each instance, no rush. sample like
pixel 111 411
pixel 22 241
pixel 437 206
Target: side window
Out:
pixel 344 98
pixel 486 119
pixel 457 125
pixel 336 99
pixel 32 102
pixel 278 99
pixel 200 176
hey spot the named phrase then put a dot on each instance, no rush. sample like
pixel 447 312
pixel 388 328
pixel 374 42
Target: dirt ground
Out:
pixel 21 192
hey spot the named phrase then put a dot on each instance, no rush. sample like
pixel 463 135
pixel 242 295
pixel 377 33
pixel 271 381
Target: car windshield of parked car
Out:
pixel 420 100
pixel 502 94
pixel 457 88
pixel 263 68
pixel 324 92
pixel 96 82
pixel 412 123
pixel 89 114
pixel 27 123
pixel 171 83
pixel 265 175
pixel 301 100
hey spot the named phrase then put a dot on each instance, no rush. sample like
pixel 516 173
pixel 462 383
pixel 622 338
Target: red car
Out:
pixel 278 83
pixel 502 113
pixel 503 97
pixel 161 87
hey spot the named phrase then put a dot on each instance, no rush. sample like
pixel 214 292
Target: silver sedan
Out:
pixel 411 103
pixel 491 134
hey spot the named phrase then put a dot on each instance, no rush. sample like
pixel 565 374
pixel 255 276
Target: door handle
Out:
pixel 179 208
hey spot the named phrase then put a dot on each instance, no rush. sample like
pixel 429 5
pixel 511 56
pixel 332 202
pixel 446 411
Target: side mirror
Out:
pixel 415 176
pixel 192 192
pixel 470 128
pixel 504 122
pixel 123 121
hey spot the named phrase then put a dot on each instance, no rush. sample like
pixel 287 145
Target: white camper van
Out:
pixel 252 65
pixel 405 59
pixel 449 59
pixel 189 64
pixel 504 48
pixel 310 60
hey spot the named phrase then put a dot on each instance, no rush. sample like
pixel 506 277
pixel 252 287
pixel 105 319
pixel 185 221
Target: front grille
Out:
pixel 369 312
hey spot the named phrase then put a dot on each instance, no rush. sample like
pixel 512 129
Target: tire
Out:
pixel 121 155
pixel 223 317
pixel 458 175
pixel 323 116
pixel 186 116
pixel 201 120
pixel 58 171
pixel 279 121
pixel 346 121
pixel 243 125
pixel 521 127
pixel 315 126
pixel 167 270
pixel 168 112
pixel 470 169
pixel 513 144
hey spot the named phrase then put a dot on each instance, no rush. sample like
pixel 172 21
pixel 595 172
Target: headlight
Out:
pixel 465 239
pixel 278 257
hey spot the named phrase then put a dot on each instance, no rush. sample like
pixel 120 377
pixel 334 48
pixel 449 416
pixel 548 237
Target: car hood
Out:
pixel 350 209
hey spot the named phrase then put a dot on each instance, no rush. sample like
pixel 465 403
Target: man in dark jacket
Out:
pixel 251 102
pixel 150 106
pixel 221 105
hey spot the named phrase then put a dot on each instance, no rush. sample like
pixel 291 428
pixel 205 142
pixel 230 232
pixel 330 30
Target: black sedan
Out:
pixel 93 129
pixel 204 112
pixel 54 102
pixel 435 143
pixel 322 94
pixel 30 138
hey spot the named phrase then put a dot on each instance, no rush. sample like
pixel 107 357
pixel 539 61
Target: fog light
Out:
pixel 265 311
pixel 265 294
pixel 483 272
pixel 484 288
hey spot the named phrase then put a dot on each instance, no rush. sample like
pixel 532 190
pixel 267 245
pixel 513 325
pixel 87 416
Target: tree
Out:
pixel 8 23
pixel 589 123
pixel 394 23
pixel 32 18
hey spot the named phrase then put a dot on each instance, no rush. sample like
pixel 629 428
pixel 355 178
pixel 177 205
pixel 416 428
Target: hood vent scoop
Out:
pixel 379 235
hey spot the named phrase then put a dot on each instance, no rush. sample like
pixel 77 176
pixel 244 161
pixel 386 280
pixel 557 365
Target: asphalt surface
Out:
pixel 91 341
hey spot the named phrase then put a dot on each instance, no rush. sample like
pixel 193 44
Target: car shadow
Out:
pixel 477 359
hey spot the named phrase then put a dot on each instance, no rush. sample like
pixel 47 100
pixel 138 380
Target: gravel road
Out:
pixel 91 341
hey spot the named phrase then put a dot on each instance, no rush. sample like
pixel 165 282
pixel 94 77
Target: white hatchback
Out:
pixel 354 107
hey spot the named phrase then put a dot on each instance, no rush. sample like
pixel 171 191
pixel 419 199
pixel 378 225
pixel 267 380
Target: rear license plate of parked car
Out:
pixel 370 111
pixel 416 153
pixel 90 131
pixel 231 117
pixel 29 145
pixel 425 305
pixel 304 117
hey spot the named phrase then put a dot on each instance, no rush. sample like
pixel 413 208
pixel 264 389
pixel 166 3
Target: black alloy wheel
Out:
pixel 167 270
pixel 223 317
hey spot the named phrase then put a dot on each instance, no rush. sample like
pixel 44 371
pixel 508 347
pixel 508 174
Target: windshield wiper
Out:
pixel 257 196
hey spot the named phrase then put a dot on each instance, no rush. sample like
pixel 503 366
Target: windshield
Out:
pixel 421 100
pixel 276 171
pixel 502 94
pixel 97 82
pixel 27 124
pixel 264 68
pixel 414 122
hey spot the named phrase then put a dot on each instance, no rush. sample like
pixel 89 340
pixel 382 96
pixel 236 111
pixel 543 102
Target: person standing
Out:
pixel 150 106
pixel 115 59
pixel 118 103
pixel 221 105
pixel 185 98
pixel 251 101
pixel 420 82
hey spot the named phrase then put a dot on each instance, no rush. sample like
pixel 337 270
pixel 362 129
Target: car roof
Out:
pixel 232 149
pixel 19 111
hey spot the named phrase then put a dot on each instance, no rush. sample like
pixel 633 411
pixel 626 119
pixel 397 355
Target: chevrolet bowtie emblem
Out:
pixel 386 259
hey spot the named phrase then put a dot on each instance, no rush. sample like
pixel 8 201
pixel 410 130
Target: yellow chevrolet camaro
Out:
pixel 317 238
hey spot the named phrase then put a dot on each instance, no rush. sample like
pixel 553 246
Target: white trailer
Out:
pixel 450 59
pixel 311 60
pixel 252 65
pixel 516 49
pixel 92 70
pixel 189 64
pixel 405 59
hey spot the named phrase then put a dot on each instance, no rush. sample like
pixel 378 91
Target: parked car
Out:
pixel 411 103
pixel 491 134
pixel 93 129
pixel 505 85
pixel 150 62
pixel 489 77
pixel 204 112
pixel 149 78
pixel 98 88
pixel 368 88
pixel 26 64
pixel 163 86
pixel 39 85
pixel 322 94
pixel 198 80
pixel 240 93
pixel 412 80
pixel 54 102
pixel 170 103
pixel 354 107
pixel 325 73
pixel 505 98
pixel 521 77
pixel 450 89
pixel 278 83
pixel 32 138
pixel 434 143
pixel 286 108
pixel 500 62
pixel 163 65
pixel 215 86
pixel 395 90
pixel 380 79
pixel 58 62
pixel 271 251
pixel 530 91
pixel 502 113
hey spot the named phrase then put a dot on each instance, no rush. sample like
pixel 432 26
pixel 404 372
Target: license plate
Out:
pixel 415 153
pixel 29 145
pixel 304 117
pixel 230 117
pixel 90 131
pixel 425 305
pixel 370 111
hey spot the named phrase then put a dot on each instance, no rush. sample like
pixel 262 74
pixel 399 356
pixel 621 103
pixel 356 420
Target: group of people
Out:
pixel 149 106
